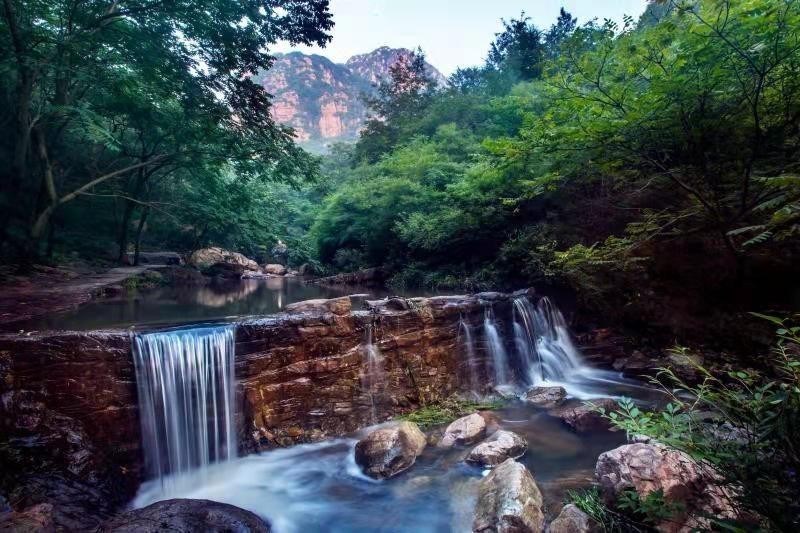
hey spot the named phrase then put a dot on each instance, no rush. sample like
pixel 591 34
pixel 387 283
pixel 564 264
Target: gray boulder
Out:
pixel 186 516
pixel 497 448
pixel 464 431
pixel 509 501
pixel 545 396
pixel 573 520
pixel 390 450
pixel 583 416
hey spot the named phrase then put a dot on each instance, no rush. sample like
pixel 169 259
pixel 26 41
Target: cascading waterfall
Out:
pixel 373 377
pixel 496 349
pixel 186 398
pixel 543 341
pixel 471 356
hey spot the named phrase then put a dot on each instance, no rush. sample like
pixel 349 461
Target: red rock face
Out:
pixel 323 101
pixel 300 378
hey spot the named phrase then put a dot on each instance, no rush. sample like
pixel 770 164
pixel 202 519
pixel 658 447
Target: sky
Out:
pixel 453 33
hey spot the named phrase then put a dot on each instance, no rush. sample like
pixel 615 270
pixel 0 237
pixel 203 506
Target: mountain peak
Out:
pixel 322 100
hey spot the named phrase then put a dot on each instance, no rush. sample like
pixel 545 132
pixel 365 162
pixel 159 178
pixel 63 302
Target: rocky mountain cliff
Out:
pixel 322 100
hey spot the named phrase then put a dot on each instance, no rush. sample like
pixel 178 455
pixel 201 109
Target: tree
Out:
pixel 68 61
pixel 518 50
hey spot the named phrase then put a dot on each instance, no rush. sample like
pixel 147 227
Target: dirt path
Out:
pixel 51 290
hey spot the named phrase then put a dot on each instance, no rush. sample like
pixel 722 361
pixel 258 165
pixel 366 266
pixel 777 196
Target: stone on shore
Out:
pixel 275 269
pixel 573 520
pixel 647 468
pixel 387 451
pixel 207 257
pixel 509 501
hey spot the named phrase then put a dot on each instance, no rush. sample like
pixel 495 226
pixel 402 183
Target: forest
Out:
pixel 648 169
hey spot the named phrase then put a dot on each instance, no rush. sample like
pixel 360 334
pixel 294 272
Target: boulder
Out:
pixel 583 416
pixel 337 306
pixel 545 396
pixel 387 451
pixel 35 519
pixel 573 520
pixel 306 269
pixel 206 257
pixel 275 269
pixel 497 448
pixel 186 516
pixel 509 501
pixel 226 271
pixel 646 468
pixel 464 431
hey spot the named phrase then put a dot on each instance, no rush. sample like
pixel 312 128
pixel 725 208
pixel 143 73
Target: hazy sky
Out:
pixel 453 33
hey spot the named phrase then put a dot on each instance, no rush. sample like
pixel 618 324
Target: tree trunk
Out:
pixel 139 230
pixel 134 193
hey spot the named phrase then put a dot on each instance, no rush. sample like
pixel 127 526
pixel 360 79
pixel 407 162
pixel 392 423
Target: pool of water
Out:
pixel 189 305
pixel 318 487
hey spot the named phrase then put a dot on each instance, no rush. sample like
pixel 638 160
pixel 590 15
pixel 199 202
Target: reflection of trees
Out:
pixel 219 296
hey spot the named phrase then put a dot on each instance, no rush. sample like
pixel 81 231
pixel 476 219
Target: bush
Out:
pixel 745 424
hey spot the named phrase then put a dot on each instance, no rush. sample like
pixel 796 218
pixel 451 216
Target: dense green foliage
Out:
pixel 124 118
pixel 622 161
pixel 746 424
pixel 447 410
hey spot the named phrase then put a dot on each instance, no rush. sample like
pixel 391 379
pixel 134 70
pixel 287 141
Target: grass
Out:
pixel 444 411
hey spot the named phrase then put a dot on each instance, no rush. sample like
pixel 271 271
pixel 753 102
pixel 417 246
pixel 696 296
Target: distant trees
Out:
pixel 107 100
pixel 620 159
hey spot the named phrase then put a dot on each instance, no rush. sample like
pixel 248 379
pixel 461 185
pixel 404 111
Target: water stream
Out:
pixel 496 346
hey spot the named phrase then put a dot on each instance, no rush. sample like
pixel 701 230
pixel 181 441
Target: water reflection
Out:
pixel 186 305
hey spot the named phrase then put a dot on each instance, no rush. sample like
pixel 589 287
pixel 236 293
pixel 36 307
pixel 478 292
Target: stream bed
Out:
pixel 318 487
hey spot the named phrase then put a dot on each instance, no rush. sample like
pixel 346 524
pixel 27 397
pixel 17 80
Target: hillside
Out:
pixel 322 100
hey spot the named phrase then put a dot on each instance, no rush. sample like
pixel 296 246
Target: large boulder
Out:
pixel 186 516
pixel 501 446
pixel 584 416
pixel 545 396
pixel 207 257
pixel 509 501
pixel 275 269
pixel 464 431
pixel 337 306
pixel 573 520
pixel 647 468
pixel 390 450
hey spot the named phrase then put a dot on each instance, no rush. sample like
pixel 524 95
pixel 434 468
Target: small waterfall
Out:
pixel 496 348
pixel 186 383
pixel 373 377
pixel 471 356
pixel 543 342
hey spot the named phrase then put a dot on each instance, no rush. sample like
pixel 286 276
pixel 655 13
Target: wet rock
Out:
pixel 337 306
pixel 464 431
pixel 226 271
pixel 35 519
pixel 206 257
pixel 646 468
pixel 186 516
pixel 497 448
pixel 388 451
pixel 636 364
pixel 685 365
pixel 506 392
pixel 509 501
pixel 306 269
pixel 573 520
pixel 275 269
pixel 546 396
pixel 583 416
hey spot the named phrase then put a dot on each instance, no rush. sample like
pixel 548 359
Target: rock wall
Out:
pixel 68 415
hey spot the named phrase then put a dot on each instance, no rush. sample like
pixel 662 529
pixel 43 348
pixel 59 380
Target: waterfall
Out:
pixel 496 348
pixel 543 342
pixel 471 356
pixel 373 377
pixel 186 382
